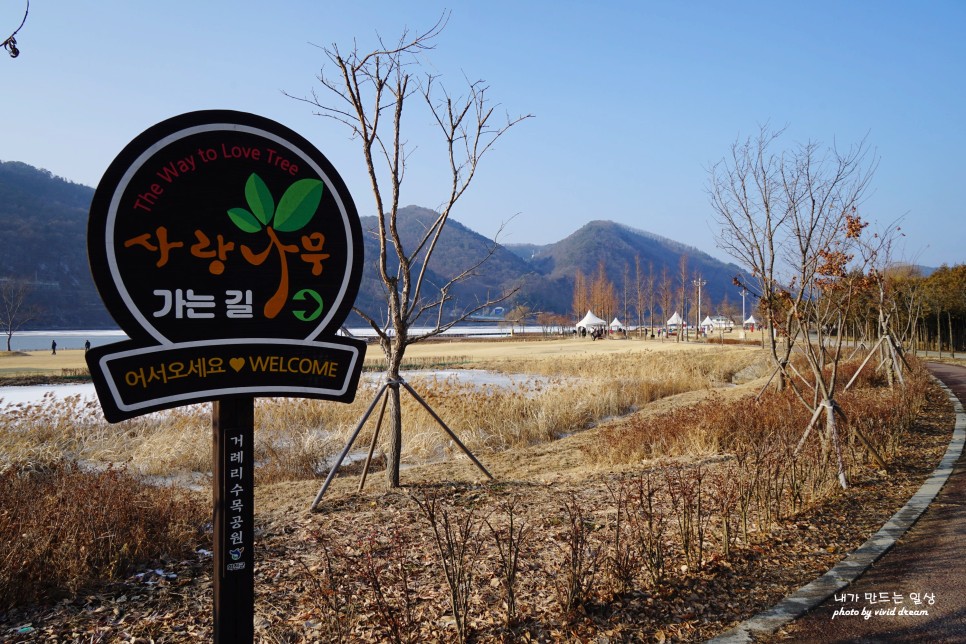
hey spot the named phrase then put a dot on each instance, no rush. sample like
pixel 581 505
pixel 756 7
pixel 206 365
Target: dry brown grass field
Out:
pixel 566 386
pixel 640 494
pixel 42 362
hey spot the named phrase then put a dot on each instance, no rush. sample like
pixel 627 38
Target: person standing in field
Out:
pixel 53 347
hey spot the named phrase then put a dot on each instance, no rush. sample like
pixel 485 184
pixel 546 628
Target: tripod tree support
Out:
pixel 365 417
pixel 896 355
pixel 372 444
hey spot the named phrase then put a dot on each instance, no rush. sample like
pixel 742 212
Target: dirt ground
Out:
pixel 540 477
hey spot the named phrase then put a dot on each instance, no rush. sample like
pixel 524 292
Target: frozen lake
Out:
pixel 40 340
pixel 476 377
pixel 34 393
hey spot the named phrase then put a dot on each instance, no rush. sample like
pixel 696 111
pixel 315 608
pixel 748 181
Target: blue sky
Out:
pixel 633 101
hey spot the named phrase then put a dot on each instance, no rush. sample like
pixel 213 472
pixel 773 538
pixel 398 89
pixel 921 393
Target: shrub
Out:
pixel 776 473
pixel 66 529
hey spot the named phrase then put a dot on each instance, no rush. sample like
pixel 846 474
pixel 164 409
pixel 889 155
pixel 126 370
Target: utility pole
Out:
pixel 697 324
pixel 744 292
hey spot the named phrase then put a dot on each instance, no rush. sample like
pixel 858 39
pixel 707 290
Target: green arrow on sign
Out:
pixel 301 296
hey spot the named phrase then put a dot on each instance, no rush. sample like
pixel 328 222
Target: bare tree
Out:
pixel 790 218
pixel 626 286
pixel 581 299
pixel 603 296
pixel 749 199
pixel 823 189
pixel 729 309
pixel 665 289
pixel 368 93
pixel 820 308
pixel 15 311
pixel 640 288
pixel 905 283
pixel 517 316
pixel 683 283
pixel 876 252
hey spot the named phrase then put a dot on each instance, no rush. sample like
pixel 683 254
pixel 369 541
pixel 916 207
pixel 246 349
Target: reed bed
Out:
pixel 699 368
pixel 297 438
pixel 376 362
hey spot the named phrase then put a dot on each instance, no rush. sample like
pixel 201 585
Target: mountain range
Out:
pixel 44 219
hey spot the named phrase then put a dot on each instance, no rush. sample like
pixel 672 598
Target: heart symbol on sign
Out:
pixel 237 363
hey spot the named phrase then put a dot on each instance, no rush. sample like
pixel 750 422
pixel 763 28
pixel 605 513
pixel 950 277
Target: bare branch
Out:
pixel 451 116
pixel 10 44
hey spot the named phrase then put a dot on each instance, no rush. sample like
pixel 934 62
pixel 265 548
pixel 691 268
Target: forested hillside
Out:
pixel 44 243
pixel 628 257
pixel 44 219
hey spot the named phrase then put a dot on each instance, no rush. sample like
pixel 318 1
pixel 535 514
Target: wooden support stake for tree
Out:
pixel 808 430
pixel 864 362
pixel 372 445
pixel 902 354
pixel 896 355
pixel 348 446
pixel 852 355
pixel 445 427
pixel 365 417
pixel 801 377
pixel 770 378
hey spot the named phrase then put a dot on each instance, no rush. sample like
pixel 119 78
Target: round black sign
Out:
pixel 221 224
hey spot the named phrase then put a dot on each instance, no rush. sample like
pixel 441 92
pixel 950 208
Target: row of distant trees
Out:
pixel 925 312
pixel 647 298
pixel 791 217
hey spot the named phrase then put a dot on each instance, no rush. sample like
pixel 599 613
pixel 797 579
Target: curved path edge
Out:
pixel 849 569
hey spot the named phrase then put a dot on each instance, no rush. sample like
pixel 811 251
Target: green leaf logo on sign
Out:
pixel 295 209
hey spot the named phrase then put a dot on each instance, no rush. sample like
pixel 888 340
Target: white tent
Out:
pixel 751 320
pixel 590 320
pixel 707 322
pixel 675 320
pixel 616 325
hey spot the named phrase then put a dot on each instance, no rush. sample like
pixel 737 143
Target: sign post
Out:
pixel 233 424
pixel 229 250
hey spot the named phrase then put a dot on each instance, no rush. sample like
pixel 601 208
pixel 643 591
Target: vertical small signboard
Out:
pixel 228 249
pixel 234 519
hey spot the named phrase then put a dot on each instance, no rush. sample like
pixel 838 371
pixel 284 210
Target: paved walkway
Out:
pixel 915 592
